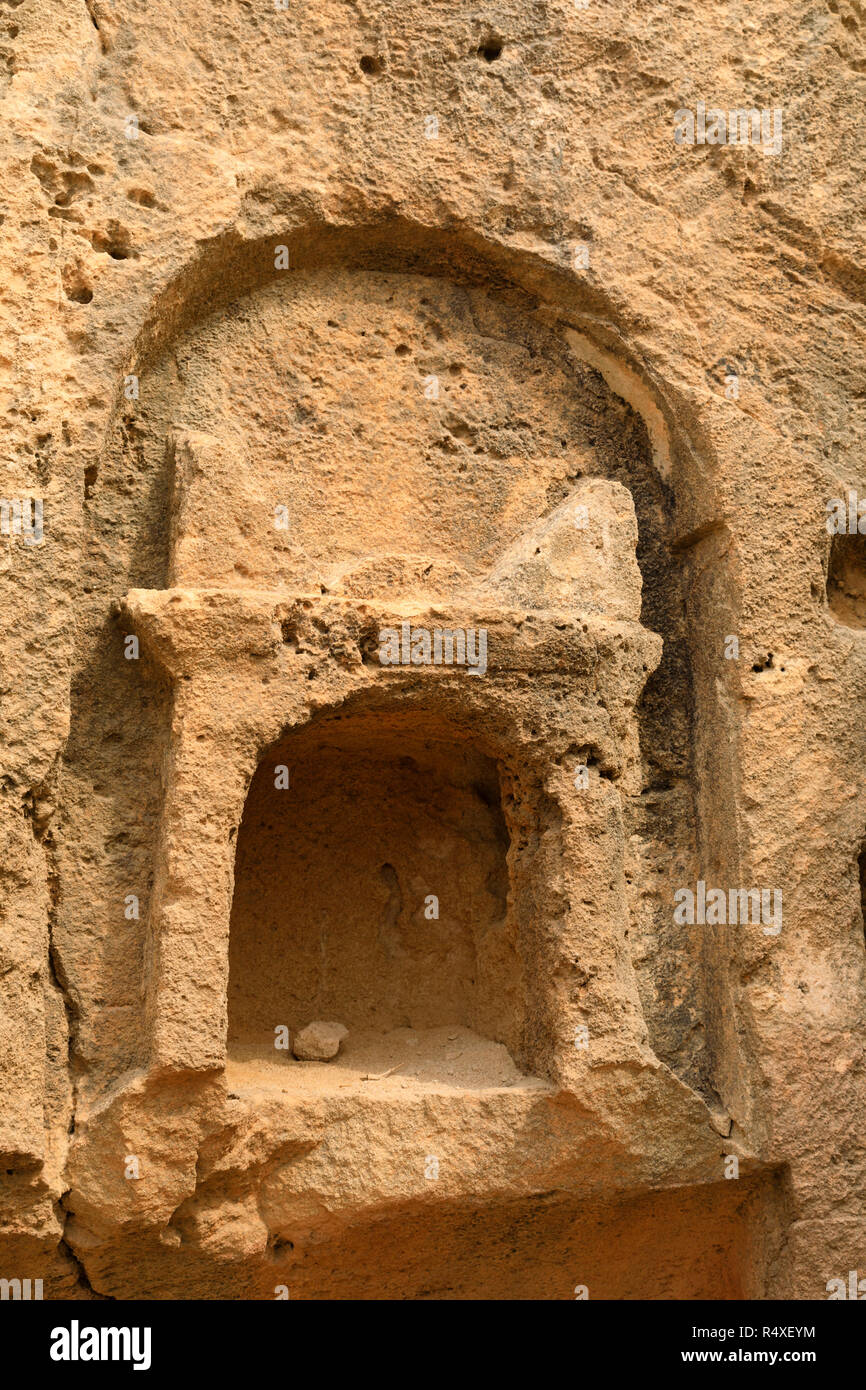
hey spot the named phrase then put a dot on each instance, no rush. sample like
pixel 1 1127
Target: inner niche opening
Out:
pixel 373 892
pixel 846 580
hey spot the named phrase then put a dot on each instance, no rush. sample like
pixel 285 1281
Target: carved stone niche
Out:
pixel 354 829
pixel 497 793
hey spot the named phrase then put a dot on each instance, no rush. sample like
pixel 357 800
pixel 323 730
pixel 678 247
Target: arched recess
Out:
pixel 549 310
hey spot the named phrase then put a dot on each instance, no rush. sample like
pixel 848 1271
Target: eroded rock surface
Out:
pixel 414 576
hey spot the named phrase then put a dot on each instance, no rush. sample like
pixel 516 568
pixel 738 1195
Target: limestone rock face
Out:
pixel 419 611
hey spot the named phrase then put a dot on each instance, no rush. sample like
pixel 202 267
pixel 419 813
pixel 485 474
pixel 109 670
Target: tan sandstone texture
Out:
pixel 335 336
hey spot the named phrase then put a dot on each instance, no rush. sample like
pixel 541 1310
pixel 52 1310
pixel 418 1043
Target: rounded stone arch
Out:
pixel 230 266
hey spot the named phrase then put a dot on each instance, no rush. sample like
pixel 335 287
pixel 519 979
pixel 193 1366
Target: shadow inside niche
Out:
pixel 846 580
